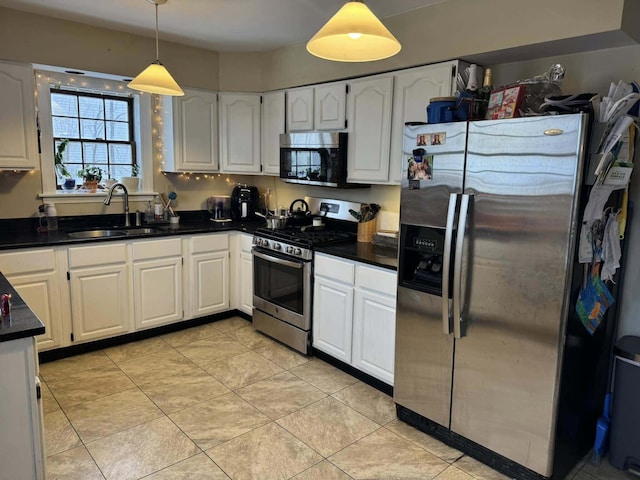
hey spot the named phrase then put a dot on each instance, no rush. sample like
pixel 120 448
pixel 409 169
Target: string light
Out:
pixel 94 84
pixel 89 84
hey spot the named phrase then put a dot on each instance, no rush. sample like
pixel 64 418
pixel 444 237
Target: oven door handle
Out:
pixel 280 261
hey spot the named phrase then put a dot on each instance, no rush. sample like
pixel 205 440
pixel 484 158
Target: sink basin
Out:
pixel 112 232
pixel 98 234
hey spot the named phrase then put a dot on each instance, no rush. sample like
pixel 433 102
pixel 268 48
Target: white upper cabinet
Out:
pixel 300 109
pixel 329 106
pixel 369 129
pixel 240 132
pixel 413 88
pixel 195 133
pixel 322 107
pixel 18 138
pixel 273 124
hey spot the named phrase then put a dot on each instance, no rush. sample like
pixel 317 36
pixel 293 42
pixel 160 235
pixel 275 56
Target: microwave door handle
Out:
pixel 458 308
pixel 279 261
pixel 446 264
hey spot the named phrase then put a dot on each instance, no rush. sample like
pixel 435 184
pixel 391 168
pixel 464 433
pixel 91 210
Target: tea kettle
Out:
pixel 301 216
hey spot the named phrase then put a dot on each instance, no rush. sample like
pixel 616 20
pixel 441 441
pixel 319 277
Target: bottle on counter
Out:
pixel 484 94
pixel 148 213
pixel 485 91
pixel 158 210
pixel 52 216
pixel 472 83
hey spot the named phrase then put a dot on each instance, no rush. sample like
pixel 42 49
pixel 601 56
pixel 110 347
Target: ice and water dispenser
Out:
pixel 422 259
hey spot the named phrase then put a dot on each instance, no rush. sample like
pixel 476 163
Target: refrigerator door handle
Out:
pixel 458 308
pixel 446 264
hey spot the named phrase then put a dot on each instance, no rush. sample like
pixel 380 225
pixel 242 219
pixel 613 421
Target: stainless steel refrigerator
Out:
pixel 488 215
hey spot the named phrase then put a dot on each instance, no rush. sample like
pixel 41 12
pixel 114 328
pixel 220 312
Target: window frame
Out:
pixel 142 111
pixel 103 96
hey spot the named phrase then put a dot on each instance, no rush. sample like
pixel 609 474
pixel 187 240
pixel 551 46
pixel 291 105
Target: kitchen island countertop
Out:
pixel 24 323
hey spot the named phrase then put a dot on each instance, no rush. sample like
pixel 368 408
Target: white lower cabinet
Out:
pixel 35 275
pixel 22 454
pixel 244 277
pixel 354 314
pixel 157 282
pixel 100 285
pixel 94 291
pixel 374 333
pixel 208 280
pixel 332 318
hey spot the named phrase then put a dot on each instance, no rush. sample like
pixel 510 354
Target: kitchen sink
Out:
pixel 113 232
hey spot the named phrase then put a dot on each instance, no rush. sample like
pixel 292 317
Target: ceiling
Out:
pixel 221 25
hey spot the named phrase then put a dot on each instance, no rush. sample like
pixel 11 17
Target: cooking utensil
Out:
pixel 274 222
pixel 172 196
pixel 356 215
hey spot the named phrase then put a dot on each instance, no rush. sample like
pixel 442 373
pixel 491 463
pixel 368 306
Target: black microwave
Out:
pixel 315 158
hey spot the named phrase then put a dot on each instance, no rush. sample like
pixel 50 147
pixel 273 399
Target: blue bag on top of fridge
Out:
pixel 593 300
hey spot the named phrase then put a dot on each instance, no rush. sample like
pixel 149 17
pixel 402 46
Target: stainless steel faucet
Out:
pixel 107 201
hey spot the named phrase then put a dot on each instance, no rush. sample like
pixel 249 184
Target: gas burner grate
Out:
pixel 308 236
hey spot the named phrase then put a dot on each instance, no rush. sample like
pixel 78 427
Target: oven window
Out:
pixel 279 284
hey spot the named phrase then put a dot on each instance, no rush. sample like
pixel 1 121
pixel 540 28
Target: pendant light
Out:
pixel 156 78
pixel 354 34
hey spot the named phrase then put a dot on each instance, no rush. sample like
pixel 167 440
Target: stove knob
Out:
pixel 265 243
pixel 297 252
pixel 290 250
pixel 277 246
pixel 260 242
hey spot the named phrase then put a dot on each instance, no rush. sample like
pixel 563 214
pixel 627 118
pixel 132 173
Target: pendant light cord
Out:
pixel 157 49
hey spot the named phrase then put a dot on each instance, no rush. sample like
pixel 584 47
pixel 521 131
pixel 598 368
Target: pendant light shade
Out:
pixel 156 78
pixel 354 34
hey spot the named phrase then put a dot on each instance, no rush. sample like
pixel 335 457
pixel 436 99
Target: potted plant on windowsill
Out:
pixel 133 182
pixel 91 177
pixel 65 179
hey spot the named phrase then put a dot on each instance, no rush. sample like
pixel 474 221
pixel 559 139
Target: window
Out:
pixel 100 131
pixel 106 126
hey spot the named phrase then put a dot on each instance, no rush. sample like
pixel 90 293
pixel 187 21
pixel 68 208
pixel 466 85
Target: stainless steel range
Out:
pixel 283 270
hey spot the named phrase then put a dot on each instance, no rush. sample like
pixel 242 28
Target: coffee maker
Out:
pixel 244 202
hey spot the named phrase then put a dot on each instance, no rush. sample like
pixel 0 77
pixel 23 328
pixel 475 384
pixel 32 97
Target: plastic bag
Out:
pixel 593 300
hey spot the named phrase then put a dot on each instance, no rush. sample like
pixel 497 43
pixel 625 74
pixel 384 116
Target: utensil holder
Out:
pixel 366 231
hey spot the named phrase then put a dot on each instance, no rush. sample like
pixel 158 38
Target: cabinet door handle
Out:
pixel 458 308
pixel 279 261
pixel 446 264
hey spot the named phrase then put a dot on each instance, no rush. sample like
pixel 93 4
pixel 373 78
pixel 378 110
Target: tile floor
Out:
pixel 222 401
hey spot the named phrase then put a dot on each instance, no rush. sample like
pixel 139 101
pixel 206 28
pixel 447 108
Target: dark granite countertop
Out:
pixel 365 252
pixel 23 233
pixel 23 322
